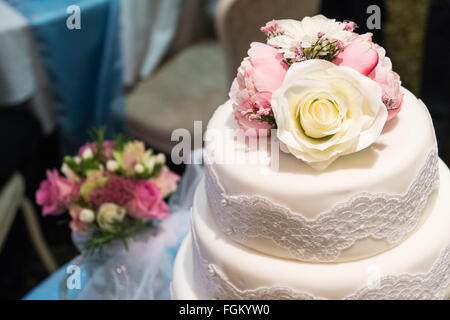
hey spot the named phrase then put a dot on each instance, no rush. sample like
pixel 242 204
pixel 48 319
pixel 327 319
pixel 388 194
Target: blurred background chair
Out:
pixel 191 85
pixel 188 87
pixel 12 198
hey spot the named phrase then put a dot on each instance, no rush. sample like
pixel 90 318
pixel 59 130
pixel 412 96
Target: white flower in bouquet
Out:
pixel 69 173
pixel 108 214
pixel 87 215
pixel 160 158
pixel 87 153
pixel 139 168
pixel 112 165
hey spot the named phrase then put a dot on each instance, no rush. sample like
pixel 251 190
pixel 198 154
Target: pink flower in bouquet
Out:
pixel 389 81
pixel 108 147
pixel 259 75
pixel 117 190
pixel 76 224
pixel 133 153
pixel 359 54
pixel 166 181
pixel 148 202
pixel 54 193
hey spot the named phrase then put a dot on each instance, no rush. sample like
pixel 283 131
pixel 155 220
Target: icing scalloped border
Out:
pixel 422 286
pixel 389 217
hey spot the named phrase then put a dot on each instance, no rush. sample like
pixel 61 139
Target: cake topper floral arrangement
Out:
pixel 111 189
pixel 326 89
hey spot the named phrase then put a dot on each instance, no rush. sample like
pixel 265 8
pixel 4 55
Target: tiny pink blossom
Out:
pixel 108 147
pixel 271 27
pixel 148 202
pixel 349 26
pixel 299 55
pixel 54 193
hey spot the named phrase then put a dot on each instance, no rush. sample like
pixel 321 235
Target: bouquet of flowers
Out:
pixel 326 90
pixel 111 189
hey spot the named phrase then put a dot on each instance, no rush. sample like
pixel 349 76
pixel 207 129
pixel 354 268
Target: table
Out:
pixel 76 77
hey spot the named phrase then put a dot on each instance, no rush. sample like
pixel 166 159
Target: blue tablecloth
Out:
pixel 84 66
pixel 50 288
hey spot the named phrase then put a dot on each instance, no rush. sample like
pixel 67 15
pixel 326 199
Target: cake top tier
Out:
pixel 325 90
pixel 390 165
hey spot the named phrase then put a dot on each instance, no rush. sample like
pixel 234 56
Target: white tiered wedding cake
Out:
pixel 357 206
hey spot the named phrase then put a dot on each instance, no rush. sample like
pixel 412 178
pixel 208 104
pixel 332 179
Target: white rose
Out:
pixel 112 165
pixel 87 153
pixel 87 215
pixel 139 168
pixel 108 213
pixel 151 163
pixel 160 158
pixel 324 111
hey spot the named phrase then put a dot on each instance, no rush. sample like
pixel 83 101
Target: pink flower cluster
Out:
pixel 55 193
pixel 142 198
pixel 271 27
pixel 108 147
pixel 263 71
pixel 259 75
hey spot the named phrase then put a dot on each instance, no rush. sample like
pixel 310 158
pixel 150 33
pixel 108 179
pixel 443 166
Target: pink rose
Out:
pixel 166 181
pixel 359 54
pixel 370 59
pixel 148 202
pixel 259 75
pixel 108 147
pixel 76 224
pixel 389 82
pixel 54 193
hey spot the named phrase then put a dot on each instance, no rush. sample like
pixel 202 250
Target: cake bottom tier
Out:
pixel 211 266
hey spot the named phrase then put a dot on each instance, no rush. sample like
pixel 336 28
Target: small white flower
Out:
pixel 139 168
pixel 160 158
pixel 87 153
pixel 112 165
pixel 87 215
pixel 151 163
pixel 306 33
pixel 108 213
pixel 77 159
pixel 68 172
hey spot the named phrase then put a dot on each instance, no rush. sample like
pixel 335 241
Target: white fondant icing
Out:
pixel 375 193
pixel 417 268
pixel 389 165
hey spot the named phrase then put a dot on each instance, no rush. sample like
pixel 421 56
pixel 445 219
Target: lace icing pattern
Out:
pixel 424 286
pixel 381 216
